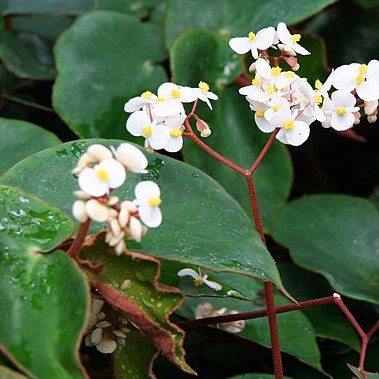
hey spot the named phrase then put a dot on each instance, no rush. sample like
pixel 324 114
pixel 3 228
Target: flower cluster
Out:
pixel 159 118
pixel 206 309
pixel 283 100
pixel 102 333
pixel 100 170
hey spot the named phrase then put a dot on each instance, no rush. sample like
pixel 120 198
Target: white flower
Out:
pixel 202 93
pixel 136 103
pixel 132 158
pixel 339 110
pixel 172 91
pixel 254 42
pixel 97 181
pixel 148 201
pixel 139 124
pixel 292 132
pixel 175 125
pixel 290 40
pixel 199 279
pixel 361 77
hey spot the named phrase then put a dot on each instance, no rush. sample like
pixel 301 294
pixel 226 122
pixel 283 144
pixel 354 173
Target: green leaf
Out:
pixel 370 375
pixel 368 4
pixel 328 320
pixel 256 376
pixel 147 303
pixel 7 373
pixel 102 83
pixel 21 139
pixel 237 138
pixel 236 17
pixel 76 7
pixel 215 62
pixel 27 55
pixel 336 236
pixel 134 359
pixel 44 296
pixel 202 224
pixel 297 336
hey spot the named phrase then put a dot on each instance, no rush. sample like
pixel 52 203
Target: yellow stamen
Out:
pixel 160 99
pixel 175 93
pixel 175 133
pixel 359 79
pixel 295 38
pixel 147 95
pixel 290 74
pixel 102 174
pixel 271 90
pixel 147 131
pixel 204 86
pixel 318 84
pixel 154 201
pixel 260 113
pixel 318 98
pixel 275 71
pixel 276 107
pixel 341 110
pixel 256 82
pixel 288 125
pixel 363 68
pixel 198 282
pixel 252 36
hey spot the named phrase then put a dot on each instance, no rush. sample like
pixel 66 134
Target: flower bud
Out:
pixel 203 128
pixel 79 211
pixel 96 211
pixel 372 119
pixel 98 153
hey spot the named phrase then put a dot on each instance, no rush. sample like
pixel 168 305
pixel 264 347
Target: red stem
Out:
pixel 364 337
pixel 257 314
pixel 210 151
pixel 274 333
pixel 74 249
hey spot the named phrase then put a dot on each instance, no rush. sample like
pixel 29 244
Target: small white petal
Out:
pixel 344 76
pixel 146 189
pixel 265 38
pixel 132 158
pixel 106 346
pixel 79 211
pixel 215 286
pixel 96 211
pixel 174 144
pixel 136 229
pixel 240 45
pixel 98 153
pixel 368 91
pixel 136 122
pixel 188 272
pixel 342 122
pixel 159 137
pixel 115 170
pixel 150 216
pixel 90 183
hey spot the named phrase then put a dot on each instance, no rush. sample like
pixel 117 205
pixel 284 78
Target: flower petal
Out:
pixel 115 170
pixel 215 286
pixel 188 272
pixel 342 122
pixel 241 45
pixel 90 183
pixel 146 189
pixel 136 122
pixel 368 91
pixel 344 76
pixel 150 216
pixel 159 137
pixel 132 158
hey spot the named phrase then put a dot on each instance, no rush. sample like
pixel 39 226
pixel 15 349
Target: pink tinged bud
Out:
pixel 203 128
pixel 292 61
pixel 357 116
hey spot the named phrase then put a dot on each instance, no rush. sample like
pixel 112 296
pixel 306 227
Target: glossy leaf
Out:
pixel 297 336
pixel 147 303
pixel 336 236
pixel 27 55
pixel 328 320
pixel 235 135
pixel 236 17
pixel 215 62
pixel 202 224
pixel 102 83
pixel 44 296
pixel 369 375
pixel 21 139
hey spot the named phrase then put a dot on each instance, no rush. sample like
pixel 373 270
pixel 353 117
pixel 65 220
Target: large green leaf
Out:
pixel 147 303
pixel 297 336
pixel 236 17
pixel 336 236
pixel 327 320
pixel 236 136
pixel 27 55
pixel 215 62
pixel 75 7
pixel 21 139
pixel 44 296
pixel 91 88
pixel 202 224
